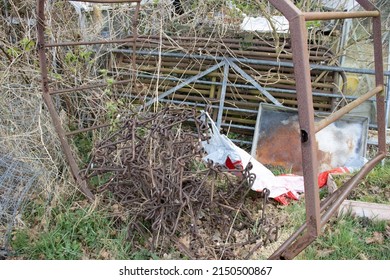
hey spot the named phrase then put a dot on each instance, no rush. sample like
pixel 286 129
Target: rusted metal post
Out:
pixel 299 38
pixel 135 35
pixel 339 15
pixel 300 239
pixel 47 93
pixel 347 108
pixel 49 101
pixel 379 75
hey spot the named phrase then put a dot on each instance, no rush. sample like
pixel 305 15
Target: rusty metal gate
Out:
pixel 317 213
pixel 48 93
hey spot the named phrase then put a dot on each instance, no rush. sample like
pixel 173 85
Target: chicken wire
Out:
pixel 17 178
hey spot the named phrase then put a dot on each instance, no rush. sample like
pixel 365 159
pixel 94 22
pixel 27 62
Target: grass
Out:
pixel 83 144
pixel 375 187
pixel 351 238
pixel 344 238
pixel 74 229
pixel 347 237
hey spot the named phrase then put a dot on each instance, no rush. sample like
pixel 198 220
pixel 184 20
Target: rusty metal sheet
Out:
pixel 277 139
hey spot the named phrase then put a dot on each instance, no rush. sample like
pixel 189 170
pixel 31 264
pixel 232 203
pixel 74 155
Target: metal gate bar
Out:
pixel 251 61
pixel 267 63
pixel 223 93
pixel 226 63
pixel 253 82
pixel 184 83
pixel 269 89
pixel 309 231
pixel 347 108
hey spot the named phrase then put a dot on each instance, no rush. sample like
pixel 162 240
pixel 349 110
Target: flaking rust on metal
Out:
pixel 151 165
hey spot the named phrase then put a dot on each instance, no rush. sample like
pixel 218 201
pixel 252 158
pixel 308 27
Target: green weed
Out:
pixel 83 144
pixel 73 231
pixel 350 238
pixel 344 238
pixel 375 187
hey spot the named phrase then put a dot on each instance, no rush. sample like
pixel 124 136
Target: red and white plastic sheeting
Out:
pixel 220 149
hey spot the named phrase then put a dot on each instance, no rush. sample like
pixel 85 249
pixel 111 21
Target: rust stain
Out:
pixel 282 147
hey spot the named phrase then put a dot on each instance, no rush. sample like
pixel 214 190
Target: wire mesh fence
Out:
pixel 17 179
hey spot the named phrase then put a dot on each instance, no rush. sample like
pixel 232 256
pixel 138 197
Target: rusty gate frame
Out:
pixel 317 213
pixel 48 93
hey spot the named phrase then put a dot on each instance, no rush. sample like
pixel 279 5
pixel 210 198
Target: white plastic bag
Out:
pixel 220 149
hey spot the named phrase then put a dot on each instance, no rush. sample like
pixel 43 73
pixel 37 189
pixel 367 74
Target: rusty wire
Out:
pixel 153 166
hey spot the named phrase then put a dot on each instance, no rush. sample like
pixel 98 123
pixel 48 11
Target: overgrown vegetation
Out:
pixel 58 223
pixel 373 188
pixel 72 228
pixel 351 238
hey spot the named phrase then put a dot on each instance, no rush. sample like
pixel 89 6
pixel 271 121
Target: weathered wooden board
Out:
pixel 365 209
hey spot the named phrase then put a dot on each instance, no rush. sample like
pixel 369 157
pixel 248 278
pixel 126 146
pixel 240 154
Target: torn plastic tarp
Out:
pixel 351 165
pixel 220 149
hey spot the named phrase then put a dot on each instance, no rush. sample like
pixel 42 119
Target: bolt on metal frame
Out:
pixel 48 93
pixel 318 213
